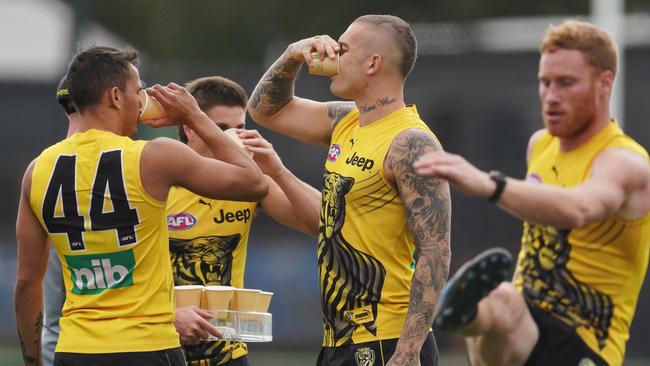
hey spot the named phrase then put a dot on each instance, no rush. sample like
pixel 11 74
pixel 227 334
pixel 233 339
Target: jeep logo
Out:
pixel 239 215
pixel 363 163
pixel 95 273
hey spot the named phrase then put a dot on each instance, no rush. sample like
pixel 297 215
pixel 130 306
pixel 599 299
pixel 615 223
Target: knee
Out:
pixel 504 292
pixel 507 305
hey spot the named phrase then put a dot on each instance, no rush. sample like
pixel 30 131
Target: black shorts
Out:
pixel 213 354
pixel 558 343
pixel 165 357
pixel 241 361
pixel 375 353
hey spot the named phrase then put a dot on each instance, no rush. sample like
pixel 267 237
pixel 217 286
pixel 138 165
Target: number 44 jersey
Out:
pixel 111 238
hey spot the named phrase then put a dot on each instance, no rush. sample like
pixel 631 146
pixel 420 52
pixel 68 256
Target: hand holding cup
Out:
pixel 323 45
pixel 150 107
pixel 324 67
pixel 265 156
pixel 178 105
pixel 234 134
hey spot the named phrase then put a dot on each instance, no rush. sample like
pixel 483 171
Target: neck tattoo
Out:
pixel 381 102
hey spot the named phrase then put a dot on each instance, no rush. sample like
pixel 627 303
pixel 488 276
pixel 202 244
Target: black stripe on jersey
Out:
pixel 369 178
pixel 604 233
pixel 359 187
pixel 596 234
pixel 383 186
pixel 374 208
pixel 615 236
pixel 596 225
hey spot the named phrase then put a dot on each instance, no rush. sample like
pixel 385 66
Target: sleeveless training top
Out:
pixel 111 238
pixel 208 240
pixel 365 248
pixel 587 277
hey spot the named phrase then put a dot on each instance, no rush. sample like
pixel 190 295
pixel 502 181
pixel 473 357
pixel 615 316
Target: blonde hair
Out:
pixel 592 41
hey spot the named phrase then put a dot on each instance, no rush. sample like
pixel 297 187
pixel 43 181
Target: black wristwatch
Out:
pixel 500 179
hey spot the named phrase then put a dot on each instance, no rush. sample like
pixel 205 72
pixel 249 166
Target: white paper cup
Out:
pixel 245 299
pixel 218 297
pixel 263 302
pixel 188 295
pixel 232 133
pixel 150 108
pixel 324 67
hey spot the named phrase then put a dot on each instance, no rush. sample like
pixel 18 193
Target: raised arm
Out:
pixel 32 259
pixel 274 105
pixel 290 201
pixel 232 175
pixel 428 208
pixel 619 184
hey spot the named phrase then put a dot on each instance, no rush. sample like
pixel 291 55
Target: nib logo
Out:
pixel 95 273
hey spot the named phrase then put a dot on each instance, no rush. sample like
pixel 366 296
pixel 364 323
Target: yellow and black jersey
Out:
pixel 365 248
pixel 208 241
pixel 111 239
pixel 588 277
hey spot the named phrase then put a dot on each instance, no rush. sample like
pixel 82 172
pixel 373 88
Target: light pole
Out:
pixel 609 15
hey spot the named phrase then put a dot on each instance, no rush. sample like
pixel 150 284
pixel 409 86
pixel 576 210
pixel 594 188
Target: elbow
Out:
pixel 574 218
pixel 258 114
pixel 577 222
pixel 259 188
pixel 262 188
pixel 312 230
pixel 253 112
pixel 266 115
pixel 25 289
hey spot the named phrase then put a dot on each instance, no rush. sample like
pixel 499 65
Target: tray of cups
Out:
pixel 240 314
pixel 245 326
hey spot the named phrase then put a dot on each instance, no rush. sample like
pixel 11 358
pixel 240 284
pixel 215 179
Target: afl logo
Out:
pixel 334 152
pixel 180 221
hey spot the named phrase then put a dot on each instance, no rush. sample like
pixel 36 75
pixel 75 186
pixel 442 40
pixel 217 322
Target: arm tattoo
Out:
pixel 27 359
pixel 337 110
pixel 428 210
pixel 275 89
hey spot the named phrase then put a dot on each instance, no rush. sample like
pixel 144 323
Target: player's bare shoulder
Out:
pixel 337 110
pixel 532 140
pixel 27 180
pixel 407 147
pixel 631 171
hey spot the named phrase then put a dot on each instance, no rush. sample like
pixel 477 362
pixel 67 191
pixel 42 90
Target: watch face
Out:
pixel 495 174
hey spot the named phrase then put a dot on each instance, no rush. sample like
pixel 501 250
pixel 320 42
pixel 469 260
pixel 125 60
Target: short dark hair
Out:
pixel 93 71
pixel 63 96
pixel 402 35
pixel 212 91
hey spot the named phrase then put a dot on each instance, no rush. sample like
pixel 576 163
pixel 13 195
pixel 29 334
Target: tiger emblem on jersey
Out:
pixel 551 285
pixel 351 281
pixel 365 357
pixel 205 260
